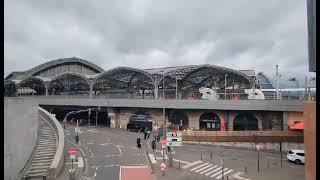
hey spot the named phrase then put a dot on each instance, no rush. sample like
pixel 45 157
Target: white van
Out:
pixel 296 156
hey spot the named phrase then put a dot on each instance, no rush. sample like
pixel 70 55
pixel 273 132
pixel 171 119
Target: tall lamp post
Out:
pixel 225 86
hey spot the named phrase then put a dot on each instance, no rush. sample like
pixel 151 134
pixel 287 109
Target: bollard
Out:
pixel 245 170
pixel 211 155
pixel 179 165
pixel 201 157
pixel 227 177
pixel 268 163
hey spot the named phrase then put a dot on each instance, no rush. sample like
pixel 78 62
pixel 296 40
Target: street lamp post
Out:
pixel 176 88
pixel 225 87
pixel 89 112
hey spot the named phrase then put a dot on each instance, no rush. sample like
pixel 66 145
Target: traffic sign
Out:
pixel 72 151
pixel 173 143
pixel 163 141
pixel 163 166
pixel 258 146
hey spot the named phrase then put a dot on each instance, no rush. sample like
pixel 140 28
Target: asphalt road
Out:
pixel 107 149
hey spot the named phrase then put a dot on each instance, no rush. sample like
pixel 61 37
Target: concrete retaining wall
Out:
pixel 20 134
pixel 269 147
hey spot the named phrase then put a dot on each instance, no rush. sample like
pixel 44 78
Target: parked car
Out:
pixel 296 156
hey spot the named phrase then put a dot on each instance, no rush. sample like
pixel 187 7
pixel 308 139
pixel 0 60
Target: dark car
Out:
pixel 135 127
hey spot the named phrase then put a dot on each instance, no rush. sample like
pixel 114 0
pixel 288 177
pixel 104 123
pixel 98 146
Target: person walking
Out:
pixel 148 134
pixel 145 133
pixel 153 145
pixel 138 143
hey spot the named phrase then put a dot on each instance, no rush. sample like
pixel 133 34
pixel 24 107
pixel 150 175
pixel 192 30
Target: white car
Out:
pixel 296 156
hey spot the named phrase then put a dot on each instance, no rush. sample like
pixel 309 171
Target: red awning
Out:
pixel 297 126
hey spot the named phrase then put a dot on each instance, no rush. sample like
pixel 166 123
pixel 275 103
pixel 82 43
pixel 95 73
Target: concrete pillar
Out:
pixel 193 117
pixel 259 123
pixel 155 90
pixel 231 116
pixel 91 89
pixel 46 90
pixel 285 121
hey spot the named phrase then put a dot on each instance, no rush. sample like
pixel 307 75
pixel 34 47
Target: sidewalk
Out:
pixel 78 164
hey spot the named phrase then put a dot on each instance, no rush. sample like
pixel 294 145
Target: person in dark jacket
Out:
pixel 153 144
pixel 145 133
pixel 138 143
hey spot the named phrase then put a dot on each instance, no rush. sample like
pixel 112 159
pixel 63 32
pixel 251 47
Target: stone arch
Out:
pixel 179 118
pixel 244 122
pixel 209 121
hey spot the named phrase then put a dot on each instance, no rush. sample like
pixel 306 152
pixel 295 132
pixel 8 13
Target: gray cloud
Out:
pixel 236 34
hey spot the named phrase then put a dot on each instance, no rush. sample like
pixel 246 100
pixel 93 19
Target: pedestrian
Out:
pixel 153 144
pixel 138 143
pixel 169 149
pixel 145 133
pixel 148 133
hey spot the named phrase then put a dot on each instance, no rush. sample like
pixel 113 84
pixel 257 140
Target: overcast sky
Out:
pixel 238 34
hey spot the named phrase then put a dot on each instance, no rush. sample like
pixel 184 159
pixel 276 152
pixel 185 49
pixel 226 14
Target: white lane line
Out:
pixel 204 168
pixel 120 173
pixel 116 155
pixel 208 169
pixel 105 144
pixel 137 154
pixel 148 144
pixel 207 174
pixel 119 149
pixel 80 162
pixel 219 172
pixel 69 163
pixel 153 161
pixel 111 165
pixel 177 160
pixel 136 166
pixel 224 173
pixel 191 164
pixel 199 167
pixel 90 143
pixel 95 172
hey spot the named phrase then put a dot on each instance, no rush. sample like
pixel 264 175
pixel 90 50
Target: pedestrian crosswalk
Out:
pixel 208 169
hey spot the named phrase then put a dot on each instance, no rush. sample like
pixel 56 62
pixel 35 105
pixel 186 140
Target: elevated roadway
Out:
pixel 254 105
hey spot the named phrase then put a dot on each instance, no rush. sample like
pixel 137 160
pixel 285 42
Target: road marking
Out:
pixel 119 149
pixel 120 173
pixel 191 164
pixel 90 143
pixel 111 165
pixel 225 173
pixel 91 154
pixel 95 167
pixel 77 147
pixel 204 168
pixel 93 130
pixel 237 175
pixel 135 166
pixel 105 144
pixel 219 172
pixel 137 154
pixel 152 158
pixel 208 169
pixel 181 161
pixel 148 144
pixel 80 162
pixel 283 159
pixel 207 174
pixel 112 155
pixel 199 166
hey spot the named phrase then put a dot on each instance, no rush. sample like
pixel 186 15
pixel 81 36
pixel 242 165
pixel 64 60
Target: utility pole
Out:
pixel 306 88
pixel 89 112
pixel 176 88
pixel 225 87
pixel 277 81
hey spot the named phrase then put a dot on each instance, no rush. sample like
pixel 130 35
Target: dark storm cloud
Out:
pixel 236 34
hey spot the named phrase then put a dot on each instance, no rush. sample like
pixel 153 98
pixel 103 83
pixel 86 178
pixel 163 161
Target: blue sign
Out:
pixel 221 159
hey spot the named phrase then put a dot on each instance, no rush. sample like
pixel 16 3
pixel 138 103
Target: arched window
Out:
pixel 245 122
pixel 179 118
pixel 210 122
